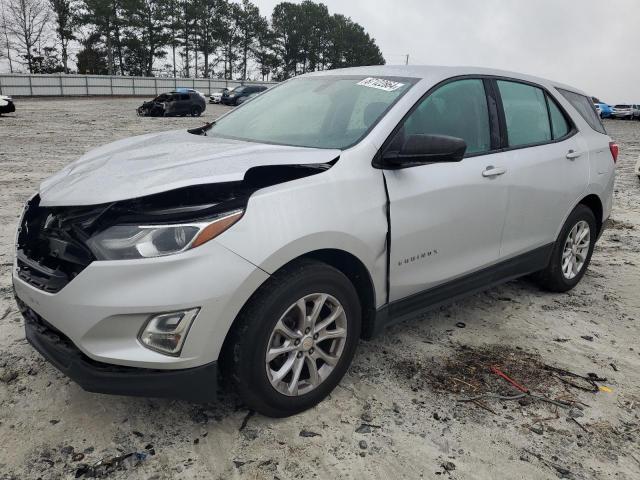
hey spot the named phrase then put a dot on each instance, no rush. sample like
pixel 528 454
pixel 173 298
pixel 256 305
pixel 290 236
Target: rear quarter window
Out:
pixel 585 108
pixel 559 125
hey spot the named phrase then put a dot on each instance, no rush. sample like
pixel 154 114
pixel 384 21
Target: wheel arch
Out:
pixel 353 268
pixel 347 263
pixel 593 202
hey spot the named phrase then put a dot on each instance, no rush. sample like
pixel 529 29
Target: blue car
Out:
pixel 604 110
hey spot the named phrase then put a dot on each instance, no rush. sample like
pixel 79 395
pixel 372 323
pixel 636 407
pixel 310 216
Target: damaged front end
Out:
pixel 151 109
pixel 56 243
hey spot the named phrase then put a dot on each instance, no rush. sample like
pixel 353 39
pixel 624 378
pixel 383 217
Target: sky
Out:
pixel 593 45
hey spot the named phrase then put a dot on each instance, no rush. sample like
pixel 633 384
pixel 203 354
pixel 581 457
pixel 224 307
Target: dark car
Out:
pixel 174 104
pixel 232 96
pixel 6 105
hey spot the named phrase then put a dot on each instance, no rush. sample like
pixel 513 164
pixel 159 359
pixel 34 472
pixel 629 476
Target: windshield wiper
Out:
pixel 201 130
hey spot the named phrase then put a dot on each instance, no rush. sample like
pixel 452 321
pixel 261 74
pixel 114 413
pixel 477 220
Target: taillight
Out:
pixel 615 150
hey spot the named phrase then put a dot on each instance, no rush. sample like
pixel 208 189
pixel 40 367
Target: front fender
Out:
pixel 335 210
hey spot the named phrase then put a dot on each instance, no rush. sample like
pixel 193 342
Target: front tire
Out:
pixel 294 340
pixel 572 252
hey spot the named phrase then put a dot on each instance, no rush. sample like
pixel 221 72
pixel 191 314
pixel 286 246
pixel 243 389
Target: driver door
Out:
pixel 447 218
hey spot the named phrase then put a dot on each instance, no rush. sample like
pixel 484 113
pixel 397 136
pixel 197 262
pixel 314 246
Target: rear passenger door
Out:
pixel 547 166
pixel 184 104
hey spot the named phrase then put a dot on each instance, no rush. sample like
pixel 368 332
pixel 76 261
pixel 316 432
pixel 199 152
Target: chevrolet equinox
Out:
pixel 264 245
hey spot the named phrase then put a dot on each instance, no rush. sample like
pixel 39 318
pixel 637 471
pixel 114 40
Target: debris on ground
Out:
pixel 109 465
pixel 449 466
pixel 469 371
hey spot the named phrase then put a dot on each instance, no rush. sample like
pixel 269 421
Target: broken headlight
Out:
pixel 125 242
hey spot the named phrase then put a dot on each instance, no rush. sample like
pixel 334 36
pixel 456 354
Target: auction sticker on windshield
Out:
pixel 380 84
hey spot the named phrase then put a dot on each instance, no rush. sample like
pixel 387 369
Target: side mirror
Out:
pixel 423 149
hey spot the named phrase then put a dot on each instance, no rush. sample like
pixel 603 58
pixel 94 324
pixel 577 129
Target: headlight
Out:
pixel 124 242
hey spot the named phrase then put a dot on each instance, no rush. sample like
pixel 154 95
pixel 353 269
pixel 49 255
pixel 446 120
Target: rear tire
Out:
pixel 571 253
pixel 196 111
pixel 273 321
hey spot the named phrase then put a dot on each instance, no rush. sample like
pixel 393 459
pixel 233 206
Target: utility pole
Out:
pixel 406 62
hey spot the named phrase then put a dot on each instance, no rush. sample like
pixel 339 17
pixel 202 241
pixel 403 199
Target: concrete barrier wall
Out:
pixel 24 85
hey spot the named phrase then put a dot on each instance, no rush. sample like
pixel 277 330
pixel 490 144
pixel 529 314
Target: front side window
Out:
pixel 525 110
pixel 585 109
pixel 457 109
pixel 321 112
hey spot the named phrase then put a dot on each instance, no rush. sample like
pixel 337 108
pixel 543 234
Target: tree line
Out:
pixel 191 38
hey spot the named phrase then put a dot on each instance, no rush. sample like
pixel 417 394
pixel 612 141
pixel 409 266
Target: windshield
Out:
pixel 321 112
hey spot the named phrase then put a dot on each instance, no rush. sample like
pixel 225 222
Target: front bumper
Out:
pixel 102 310
pixel 197 384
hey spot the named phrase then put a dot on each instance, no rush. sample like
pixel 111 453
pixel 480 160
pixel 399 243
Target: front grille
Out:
pixel 51 251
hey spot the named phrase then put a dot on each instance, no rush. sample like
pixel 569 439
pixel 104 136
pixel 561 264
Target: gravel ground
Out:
pixel 396 414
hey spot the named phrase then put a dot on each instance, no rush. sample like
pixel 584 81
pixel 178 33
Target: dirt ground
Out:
pixel 396 414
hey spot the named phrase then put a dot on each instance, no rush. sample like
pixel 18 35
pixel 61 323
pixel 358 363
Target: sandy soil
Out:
pixel 396 413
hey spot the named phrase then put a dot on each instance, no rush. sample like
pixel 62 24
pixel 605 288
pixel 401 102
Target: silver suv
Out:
pixel 264 245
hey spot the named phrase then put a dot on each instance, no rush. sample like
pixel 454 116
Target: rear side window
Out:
pixel 585 108
pixel 457 109
pixel 559 125
pixel 525 110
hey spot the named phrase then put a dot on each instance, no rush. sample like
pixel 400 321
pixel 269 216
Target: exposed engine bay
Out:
pixel 54 242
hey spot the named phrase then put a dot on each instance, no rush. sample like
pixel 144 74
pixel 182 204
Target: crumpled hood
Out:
pixel 158 162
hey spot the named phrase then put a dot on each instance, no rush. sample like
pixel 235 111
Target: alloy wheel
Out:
pixel 306 344
pixel 576 249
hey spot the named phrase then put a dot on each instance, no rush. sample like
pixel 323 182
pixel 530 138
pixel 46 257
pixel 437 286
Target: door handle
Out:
pixel 572 155
pixel 492 171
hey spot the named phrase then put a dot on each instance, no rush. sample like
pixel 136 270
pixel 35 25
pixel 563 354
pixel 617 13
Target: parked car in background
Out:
pixel 246 98
pixel 6 105
pixel 216 96
pixel 624 112
pixel 190 90
pixel 232 96
pixel 604 110
pixel 267 243
pixel 174 104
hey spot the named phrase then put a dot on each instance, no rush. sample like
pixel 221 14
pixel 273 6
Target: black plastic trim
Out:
pixel 494 105
pixel 419 303
pixel 197 384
